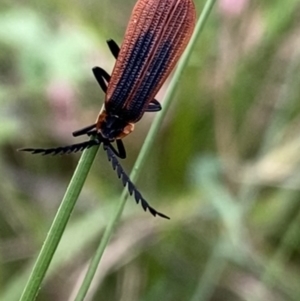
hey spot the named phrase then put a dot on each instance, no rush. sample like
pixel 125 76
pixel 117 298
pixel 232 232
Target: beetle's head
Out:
pixel 113 127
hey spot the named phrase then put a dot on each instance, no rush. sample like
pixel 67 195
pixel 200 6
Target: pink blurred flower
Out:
pixel 232 8
pixel 62 101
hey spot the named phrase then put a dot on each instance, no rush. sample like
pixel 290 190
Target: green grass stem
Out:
pixel 58 226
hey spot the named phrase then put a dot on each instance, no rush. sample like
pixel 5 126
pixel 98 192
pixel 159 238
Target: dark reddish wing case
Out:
pixel 156 36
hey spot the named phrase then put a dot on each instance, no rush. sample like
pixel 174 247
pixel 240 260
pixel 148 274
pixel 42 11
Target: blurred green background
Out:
pixel 225 167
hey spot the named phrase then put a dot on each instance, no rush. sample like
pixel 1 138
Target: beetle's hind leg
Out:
pixel 114 48
pixel 102 77
pixel 100 74
pixel 154 106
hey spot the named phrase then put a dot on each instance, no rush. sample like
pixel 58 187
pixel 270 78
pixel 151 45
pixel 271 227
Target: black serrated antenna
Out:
pixel 62 150
pixel 126 181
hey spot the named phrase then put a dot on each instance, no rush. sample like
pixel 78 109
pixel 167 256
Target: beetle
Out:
pixel 156 36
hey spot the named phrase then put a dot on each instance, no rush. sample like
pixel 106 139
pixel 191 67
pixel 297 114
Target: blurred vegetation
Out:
pixel 226 166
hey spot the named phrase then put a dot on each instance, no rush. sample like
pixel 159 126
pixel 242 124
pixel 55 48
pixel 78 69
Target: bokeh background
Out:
pixel 225 167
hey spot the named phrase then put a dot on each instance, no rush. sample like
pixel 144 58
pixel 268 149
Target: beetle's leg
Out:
pixel 154 106
pixel 86 130
pixel 114 48
pixel 120 151
pixel 102 77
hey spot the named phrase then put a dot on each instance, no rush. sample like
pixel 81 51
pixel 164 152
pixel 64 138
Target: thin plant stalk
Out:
pixel 146 148
pixel 58 226
pixel 212 272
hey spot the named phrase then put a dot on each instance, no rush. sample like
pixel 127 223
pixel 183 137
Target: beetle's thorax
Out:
pixel 112 127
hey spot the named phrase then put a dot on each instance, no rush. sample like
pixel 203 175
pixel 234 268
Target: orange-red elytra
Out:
pixel 156 36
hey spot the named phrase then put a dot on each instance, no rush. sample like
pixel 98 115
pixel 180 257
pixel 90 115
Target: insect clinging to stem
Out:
pixel 156 36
